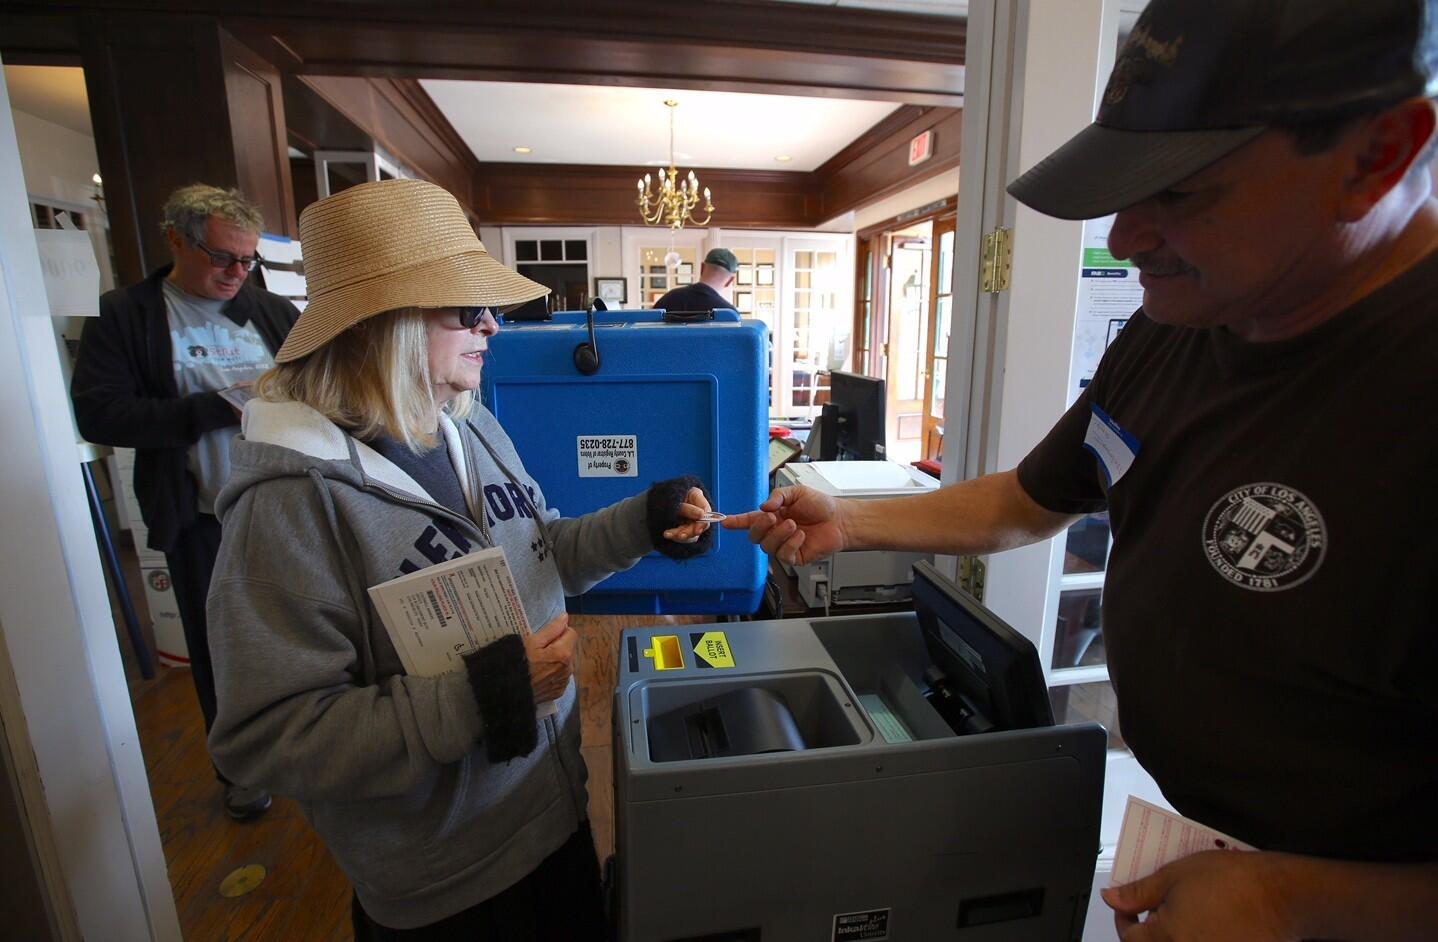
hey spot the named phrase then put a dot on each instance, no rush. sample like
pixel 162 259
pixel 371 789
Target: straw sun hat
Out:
pixel 395 243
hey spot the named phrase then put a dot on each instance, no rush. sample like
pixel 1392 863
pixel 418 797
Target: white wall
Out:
pixel 58 162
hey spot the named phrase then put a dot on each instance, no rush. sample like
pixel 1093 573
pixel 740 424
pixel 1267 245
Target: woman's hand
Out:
pixel 694 507
pixel 551 652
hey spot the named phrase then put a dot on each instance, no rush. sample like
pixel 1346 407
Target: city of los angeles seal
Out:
pixel 1265 537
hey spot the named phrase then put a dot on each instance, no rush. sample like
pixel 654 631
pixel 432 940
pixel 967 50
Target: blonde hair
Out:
pixel 372 380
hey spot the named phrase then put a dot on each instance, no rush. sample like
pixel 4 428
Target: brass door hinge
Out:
pixel 997 262
pixel 971 576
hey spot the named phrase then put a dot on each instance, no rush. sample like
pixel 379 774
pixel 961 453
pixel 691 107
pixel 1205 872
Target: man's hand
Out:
pixel 1214 896
pixel 798 525
pixel 694 507
pixel 551 653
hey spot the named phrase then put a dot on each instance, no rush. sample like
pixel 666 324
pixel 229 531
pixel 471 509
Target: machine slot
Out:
pixel 1002 907
pixel 664 650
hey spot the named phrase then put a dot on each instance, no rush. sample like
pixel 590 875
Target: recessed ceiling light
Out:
pixel 521 150
pixel 783 158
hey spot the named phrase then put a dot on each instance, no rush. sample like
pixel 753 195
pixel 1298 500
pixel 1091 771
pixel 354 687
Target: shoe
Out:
pixel 243 803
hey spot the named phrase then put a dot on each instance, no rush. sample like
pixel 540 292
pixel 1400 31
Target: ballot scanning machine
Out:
pixel 894 776
pixel 857 577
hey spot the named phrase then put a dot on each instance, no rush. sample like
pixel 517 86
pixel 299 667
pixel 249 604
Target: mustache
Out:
pixel 1151 263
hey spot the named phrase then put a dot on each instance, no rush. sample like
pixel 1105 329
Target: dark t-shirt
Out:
pixel 431 471
pixel 1268 610
pixel 695 297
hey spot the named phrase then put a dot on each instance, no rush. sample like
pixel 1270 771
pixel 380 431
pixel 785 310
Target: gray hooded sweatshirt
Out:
pixel 313 701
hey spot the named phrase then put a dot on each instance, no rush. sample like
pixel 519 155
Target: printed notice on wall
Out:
pixel 1108 295
pixel 608 456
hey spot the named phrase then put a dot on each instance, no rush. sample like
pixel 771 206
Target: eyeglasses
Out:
pixel 469 317
pixel 226 259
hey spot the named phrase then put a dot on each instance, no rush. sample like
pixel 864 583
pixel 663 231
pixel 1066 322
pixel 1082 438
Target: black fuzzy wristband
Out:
pixel 661 513
pixel 499 676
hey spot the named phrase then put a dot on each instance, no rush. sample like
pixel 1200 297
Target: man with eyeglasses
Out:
pixel 150 376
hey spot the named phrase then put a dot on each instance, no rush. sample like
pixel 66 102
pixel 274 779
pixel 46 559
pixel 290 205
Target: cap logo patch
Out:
pixel 1138 62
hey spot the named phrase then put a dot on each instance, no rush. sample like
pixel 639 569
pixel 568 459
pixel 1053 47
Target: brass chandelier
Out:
pixel 674 204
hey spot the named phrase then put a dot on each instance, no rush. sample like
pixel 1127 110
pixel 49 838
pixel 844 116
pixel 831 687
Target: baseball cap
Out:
pixel 723 258
pixel 1196 81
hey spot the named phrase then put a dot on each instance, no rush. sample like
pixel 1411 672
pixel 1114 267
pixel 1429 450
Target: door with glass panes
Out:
pixel 936 359
pixel 816 330
pixel 760 259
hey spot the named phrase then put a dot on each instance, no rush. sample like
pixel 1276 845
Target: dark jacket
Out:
pixel 125 393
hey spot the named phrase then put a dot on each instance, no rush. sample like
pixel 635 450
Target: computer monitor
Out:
pixel 986 676
pixel 855 417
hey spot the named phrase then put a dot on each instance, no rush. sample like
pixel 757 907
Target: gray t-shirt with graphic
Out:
pixel 211 352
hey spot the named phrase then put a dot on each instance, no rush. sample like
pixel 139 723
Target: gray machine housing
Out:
pixel 982 838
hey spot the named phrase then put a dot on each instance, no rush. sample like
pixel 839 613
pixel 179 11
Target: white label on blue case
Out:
pixel 1114 448
pixel 608 456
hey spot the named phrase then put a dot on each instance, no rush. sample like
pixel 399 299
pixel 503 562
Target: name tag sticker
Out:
pixel 1114 448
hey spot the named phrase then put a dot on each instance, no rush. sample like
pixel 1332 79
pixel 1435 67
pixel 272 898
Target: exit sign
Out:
pixel 921 148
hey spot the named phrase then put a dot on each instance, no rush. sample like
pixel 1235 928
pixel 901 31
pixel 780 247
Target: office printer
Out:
pixel 894 776
pixel 862 577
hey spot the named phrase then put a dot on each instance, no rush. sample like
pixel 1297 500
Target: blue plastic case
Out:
pixel 660 400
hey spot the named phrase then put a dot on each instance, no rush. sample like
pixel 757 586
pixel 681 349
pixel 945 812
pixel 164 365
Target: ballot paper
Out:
pixel 437 615
pixel 237 396
pixel 1151 837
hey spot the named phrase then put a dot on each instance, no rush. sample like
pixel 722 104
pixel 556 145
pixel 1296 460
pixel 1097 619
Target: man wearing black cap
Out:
pixel 715 275
pixel 1268 609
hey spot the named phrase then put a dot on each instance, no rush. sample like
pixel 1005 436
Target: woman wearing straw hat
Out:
pixel 455 811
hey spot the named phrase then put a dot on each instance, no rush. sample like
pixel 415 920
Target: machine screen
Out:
pixel 986 676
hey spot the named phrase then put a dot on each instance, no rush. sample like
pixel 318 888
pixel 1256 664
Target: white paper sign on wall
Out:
pixel 72 277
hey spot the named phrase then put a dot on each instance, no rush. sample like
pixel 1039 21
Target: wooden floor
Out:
pixel 303 897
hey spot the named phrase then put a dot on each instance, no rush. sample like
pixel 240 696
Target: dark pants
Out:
pixel 561 901
pixel 192 562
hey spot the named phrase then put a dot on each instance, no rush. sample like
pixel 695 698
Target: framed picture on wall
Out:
pixel 744 301
pixel 745 275
pixel 611 290
pixel 764 274
pixel 685 268
pixel 683 279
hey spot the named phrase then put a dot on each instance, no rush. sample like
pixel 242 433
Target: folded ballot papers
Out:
pixel 437 615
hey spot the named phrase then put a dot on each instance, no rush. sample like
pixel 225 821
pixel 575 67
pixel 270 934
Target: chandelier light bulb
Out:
pixel 673 201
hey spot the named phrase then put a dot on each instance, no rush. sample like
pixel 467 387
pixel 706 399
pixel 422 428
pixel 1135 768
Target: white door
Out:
pixel 761 258
pixel 816 318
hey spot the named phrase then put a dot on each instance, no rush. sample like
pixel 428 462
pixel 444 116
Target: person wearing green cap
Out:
pixel 715 275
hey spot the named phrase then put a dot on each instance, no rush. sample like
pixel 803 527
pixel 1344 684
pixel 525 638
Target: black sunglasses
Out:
pixel 469 317
pixel 226 259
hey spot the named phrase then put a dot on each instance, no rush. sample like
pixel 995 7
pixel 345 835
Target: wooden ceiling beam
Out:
pixel 728 45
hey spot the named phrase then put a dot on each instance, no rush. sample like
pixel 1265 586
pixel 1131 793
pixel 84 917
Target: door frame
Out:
pixel 66 705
